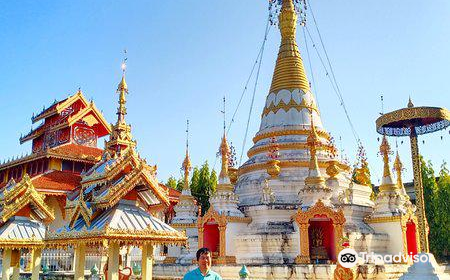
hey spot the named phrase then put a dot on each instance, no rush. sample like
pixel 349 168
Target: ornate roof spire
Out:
pixel 122 90
pixel 289 70
pixel 361 173
pixel 398 167
pixel 120 137
pixel 225 152
pixel 313 141
pixel 186 167
pixel 385 151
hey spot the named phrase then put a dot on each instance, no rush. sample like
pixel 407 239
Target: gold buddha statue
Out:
pixel 318 251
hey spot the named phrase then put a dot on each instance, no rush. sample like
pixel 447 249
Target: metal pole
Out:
pixel 418 187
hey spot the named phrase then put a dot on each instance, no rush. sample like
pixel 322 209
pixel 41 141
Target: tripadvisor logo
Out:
pixel 349 257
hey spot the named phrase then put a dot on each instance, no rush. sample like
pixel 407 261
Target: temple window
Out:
pixel 78 167
pixel 45 165
pixel 67 165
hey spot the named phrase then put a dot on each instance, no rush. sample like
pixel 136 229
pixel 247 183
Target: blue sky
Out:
pixel 183 56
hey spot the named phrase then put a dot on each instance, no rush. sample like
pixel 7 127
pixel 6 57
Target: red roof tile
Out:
pixel 78 151
pixel 173 193
pixel 56 181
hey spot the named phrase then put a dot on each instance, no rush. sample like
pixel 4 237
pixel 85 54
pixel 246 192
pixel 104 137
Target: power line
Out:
pixel 332 79
pixel 258 57
pixel 316 90
pixel 254 90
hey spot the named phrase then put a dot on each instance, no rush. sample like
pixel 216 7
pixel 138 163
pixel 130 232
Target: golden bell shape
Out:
pixel 273 168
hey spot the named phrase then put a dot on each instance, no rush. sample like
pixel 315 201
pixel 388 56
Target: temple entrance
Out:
pixel 411 240
pixel 322 246
pixel 211 237
pixel 321 232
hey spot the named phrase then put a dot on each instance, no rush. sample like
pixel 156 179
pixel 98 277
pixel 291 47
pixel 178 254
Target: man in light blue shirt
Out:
pixel 204 260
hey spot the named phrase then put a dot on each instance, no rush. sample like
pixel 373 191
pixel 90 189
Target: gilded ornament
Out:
pixel 302 219
pixel 289 71
pixel 333 169
pixel 321 133
pixel 273 168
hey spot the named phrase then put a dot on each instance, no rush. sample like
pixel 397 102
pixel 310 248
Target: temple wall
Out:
pixel 394 230
pixel 233 229
pixel 283 272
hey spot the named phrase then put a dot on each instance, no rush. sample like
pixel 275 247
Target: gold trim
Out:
pixel 28 243
pixel 73 119
pixel 20 195
pixel 222 222
pixel 121 236
pixel 289 71
pixel 287 106
pixel 284 146
pixel 410 216
pixel 182 226
pixel 285 164
pixel 58 108
pixel 321 133
pixel 377 220
pixel 246 220
pixel 406 114
pixel 302 220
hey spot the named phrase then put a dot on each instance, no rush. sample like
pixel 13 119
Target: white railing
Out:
pixel 61 261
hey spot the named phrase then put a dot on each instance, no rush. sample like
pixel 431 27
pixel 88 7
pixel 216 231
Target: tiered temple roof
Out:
pixel 117 195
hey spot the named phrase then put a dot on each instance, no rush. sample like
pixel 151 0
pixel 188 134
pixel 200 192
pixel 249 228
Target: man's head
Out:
pixel 204 259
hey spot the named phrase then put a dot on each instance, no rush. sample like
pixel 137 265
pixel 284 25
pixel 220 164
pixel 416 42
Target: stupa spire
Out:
pixel 289 71
pixel 385 151
pixel 186 167
pixel 398 167
pixel 225 152
pixel 313 142
pixel 122 90
pixel 387 183
pixel 120 138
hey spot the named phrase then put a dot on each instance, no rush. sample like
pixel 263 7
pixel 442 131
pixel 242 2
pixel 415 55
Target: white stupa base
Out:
pixel 282 271
pixel 428 270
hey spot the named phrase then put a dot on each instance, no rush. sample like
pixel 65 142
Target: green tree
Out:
pixel 203 185
pixel 443 212
pixel 436 196
pixel 171 182
pixel 180 184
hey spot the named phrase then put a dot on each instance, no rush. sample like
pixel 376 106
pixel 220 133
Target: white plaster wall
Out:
pixel 394 230
pixel 233 229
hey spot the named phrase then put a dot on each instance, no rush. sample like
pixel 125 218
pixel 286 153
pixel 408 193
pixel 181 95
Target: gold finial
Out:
pixel 313 141
pixel 120 138
pixel 122 89
pixel 410 104
pixel 186 167
pixel 398 167
pixel 361 173
pixel 224 151
pixel 289 71
pixel 287 20
pixel 385 151
pixel 224 147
